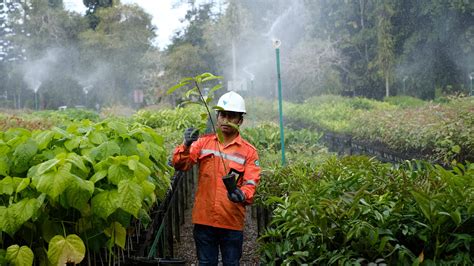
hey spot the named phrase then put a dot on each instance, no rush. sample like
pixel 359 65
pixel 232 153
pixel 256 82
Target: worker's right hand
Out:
pixel 190 135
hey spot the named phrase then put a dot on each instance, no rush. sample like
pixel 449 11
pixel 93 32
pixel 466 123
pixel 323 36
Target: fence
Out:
pixel 157 246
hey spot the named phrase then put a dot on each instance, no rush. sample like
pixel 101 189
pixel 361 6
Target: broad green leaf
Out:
pixel 104 150
pixel 23 155
pixel 66 250
pixel 131 195
pixel 77 161
pixel 98 176
pixel 119 172
pixel 128 147
pixel 118 127
pixel 15 215
pixel 53 183
pixel 141 172
pixel 97 137
pixel 117 233
pixel 21 256
pixel 43 138
pixel 46 166
pixel 78 193
pixel 148 189
pixel 24 182
pixel 73 143
pixel 6 186
pixel 105 203
pixel 4 165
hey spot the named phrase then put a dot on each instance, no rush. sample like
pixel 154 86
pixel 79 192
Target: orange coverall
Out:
pixel 211 205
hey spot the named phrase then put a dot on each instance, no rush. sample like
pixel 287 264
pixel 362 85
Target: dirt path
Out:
pixel 186 249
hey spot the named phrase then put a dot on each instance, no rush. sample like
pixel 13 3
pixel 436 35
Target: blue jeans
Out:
pixel 209 239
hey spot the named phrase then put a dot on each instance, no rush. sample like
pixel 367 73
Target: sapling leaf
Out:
pixel 131 195
pixel 175 87
pixel 217 108
pixel 211 78
pixel 193 91
pixel 98 176
pixel 117 233
pixel 4 165
pixel 53 183
pixel 6 186
pixel 220 136
pixel 105 203
pixel 66 250
pixel 235 126
pixel 215 88
pixel 17 255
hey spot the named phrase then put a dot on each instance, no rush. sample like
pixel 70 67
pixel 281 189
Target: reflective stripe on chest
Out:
pixel 229 157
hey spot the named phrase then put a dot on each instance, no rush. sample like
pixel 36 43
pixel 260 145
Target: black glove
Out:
pixel 190 135
pixel 236 196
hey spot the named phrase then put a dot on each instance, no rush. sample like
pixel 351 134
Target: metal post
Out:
pixel 276 44
pixel 471 76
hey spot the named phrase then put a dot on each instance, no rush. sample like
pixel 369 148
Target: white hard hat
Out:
pixel 232 102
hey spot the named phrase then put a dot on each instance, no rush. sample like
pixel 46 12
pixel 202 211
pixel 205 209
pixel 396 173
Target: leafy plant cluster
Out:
pixel 358 211
pixel 69 192
pixel 440 132
pixel 171 123
pixel 298 143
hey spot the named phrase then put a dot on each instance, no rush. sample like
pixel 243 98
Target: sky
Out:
pixel 165 17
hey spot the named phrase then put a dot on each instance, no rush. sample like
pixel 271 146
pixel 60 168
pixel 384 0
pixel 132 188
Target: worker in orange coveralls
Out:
pixel 229 173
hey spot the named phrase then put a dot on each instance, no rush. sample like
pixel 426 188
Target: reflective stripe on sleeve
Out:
pixel 223 155
pixel 250 182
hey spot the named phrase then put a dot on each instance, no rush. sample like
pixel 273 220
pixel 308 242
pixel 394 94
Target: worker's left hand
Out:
pixel 236 196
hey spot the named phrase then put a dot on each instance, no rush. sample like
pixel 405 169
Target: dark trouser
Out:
pixel 209 239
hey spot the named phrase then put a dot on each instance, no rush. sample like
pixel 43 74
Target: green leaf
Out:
pixel 4 165
pixel 53 183
pixel 66 250
pixel 97 137
pixel 141 172
pixel 6 186
pixel 456 216
pixel 17 255
pixel 220 136
pixel 175 87
pixel 131 196
pixel 43 138
pixel 23 155
pixel 215 88
pixel 46 166
pixel 118 127
pixel 24 182
pixel 210 77
pixel 77 195
pixel 456 149
pixel 117 233
pixel 105 150
pixel 77 161
pixel 15 215
pixel 105 203
pixel 73 143
pixel 118 172
pixel 98 176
